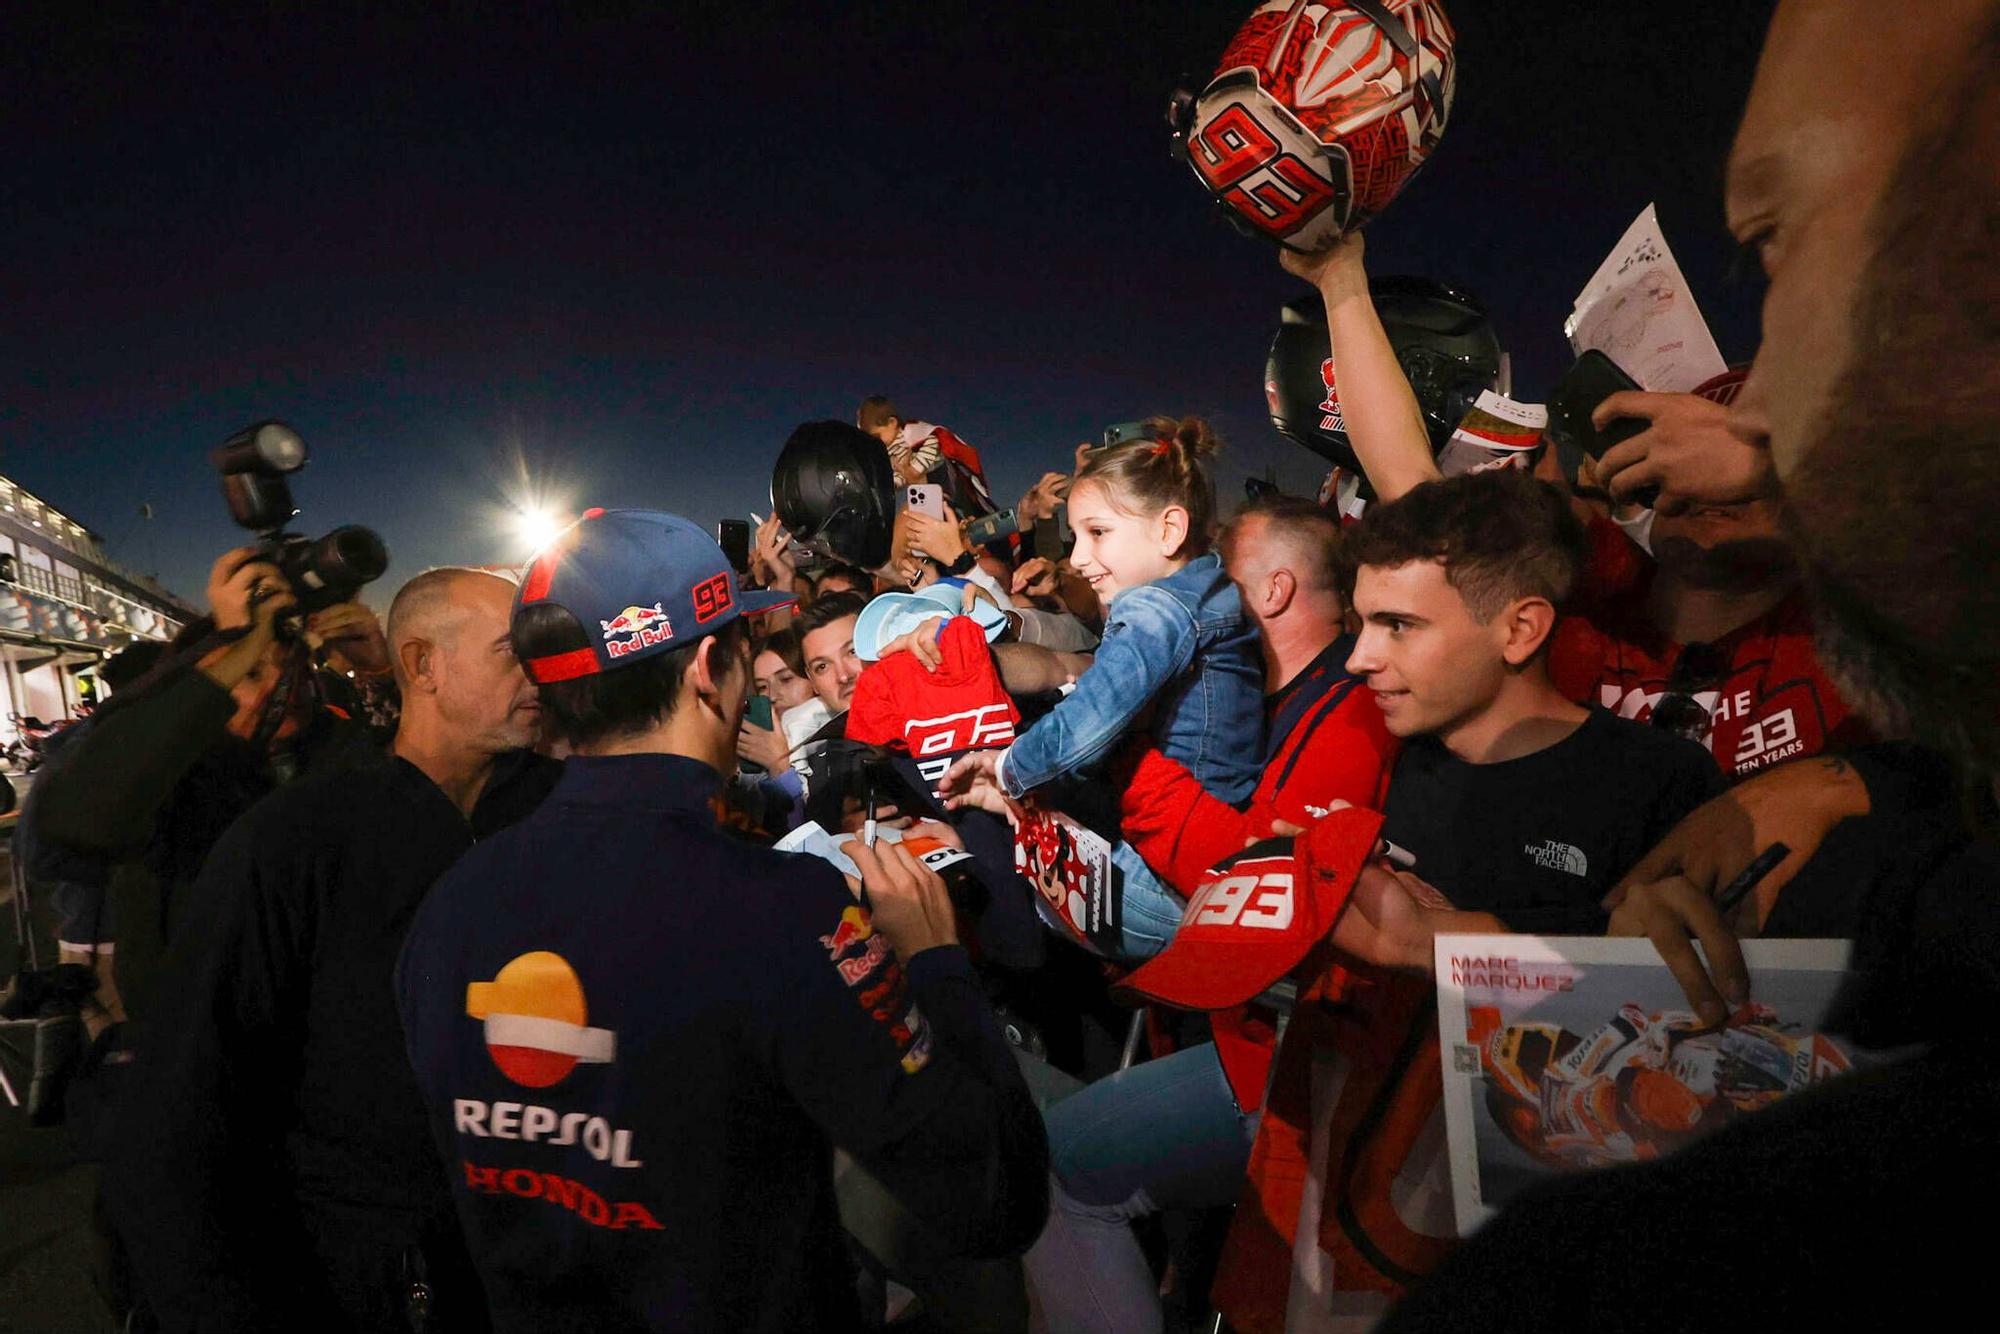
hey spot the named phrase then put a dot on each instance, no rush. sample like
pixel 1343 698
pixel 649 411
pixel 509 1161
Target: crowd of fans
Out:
pixel 1031 925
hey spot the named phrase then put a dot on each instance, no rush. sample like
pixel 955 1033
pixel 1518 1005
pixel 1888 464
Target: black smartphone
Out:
pixel 733 536
pixel 1594 378
pixel 758 712
pixel 1123 433
pixel 1053 537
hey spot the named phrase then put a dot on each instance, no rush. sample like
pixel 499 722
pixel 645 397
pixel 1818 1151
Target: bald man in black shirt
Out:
pixel 271 1165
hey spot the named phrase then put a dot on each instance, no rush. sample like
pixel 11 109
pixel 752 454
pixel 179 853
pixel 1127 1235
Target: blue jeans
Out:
pixel 83 914
pixel 1163 1135
pixel 1148 912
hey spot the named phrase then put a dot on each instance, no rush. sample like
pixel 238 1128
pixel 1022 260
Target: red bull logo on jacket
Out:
pixel 854 929
pixel 868 966
pixel 535 1020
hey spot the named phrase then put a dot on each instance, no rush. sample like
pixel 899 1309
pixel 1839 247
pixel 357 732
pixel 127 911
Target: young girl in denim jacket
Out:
pixel 1175 641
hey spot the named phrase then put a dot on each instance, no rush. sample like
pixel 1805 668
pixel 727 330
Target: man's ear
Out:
pixel 1526 625
pixel 413 658
pixel 1280 587
pixel 701 672
pixel 1173 530
pixel 709 672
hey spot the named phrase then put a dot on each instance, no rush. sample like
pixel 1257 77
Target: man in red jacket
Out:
pixel 1175 1132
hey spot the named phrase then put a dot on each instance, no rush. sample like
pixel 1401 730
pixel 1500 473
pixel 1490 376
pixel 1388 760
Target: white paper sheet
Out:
pixel 1637 309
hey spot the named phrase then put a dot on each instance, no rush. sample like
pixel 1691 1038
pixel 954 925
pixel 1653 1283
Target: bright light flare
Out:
pixel 538 527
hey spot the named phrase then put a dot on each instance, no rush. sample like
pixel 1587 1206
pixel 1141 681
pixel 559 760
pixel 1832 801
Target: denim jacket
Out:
pixel 1182 644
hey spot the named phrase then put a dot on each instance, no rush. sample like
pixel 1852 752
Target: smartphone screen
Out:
pixel 926 498
pixel 733 536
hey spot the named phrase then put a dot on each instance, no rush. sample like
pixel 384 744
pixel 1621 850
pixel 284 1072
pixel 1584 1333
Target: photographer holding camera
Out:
pixel 152 780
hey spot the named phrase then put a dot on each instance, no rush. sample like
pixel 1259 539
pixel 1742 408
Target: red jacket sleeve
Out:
pixel 1171 820
pixel 872 716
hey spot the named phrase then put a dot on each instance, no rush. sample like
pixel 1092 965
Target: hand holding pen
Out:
pixel 1674 914
pixel 1739 889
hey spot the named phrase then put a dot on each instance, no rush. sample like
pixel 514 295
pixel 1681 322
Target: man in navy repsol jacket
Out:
pixel 640 1037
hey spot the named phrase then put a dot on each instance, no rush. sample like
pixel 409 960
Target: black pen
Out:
pixel 1739 888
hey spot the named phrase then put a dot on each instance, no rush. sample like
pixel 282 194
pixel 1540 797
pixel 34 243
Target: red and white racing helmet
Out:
pixel 1319 113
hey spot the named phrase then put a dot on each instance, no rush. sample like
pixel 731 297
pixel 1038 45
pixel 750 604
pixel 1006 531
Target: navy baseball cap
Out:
pixel 635 583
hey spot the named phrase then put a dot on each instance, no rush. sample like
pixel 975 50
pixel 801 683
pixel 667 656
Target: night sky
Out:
pixel 611 260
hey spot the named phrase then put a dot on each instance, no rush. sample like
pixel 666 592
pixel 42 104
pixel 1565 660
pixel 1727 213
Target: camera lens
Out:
pixel 348 557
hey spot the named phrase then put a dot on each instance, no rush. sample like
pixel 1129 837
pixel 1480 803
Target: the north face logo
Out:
pixel 1554 856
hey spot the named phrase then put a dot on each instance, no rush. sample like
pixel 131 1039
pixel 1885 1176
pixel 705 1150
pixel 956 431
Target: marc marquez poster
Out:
pixel 1564 1054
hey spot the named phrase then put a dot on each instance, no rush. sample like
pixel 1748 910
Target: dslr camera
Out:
pixel 255 463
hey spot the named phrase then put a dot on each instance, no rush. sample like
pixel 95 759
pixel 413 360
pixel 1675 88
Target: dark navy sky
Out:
pixel 616 258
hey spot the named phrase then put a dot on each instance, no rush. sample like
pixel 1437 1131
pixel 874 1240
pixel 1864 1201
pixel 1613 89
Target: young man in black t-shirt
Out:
pixel 1514 801
pixel 1519 807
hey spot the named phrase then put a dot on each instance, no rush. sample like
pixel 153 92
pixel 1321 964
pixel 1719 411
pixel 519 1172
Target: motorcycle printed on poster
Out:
pixel 1563 1054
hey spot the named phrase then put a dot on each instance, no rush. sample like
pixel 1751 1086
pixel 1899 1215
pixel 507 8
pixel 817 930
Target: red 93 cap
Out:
pixel 1258 914
pixel 634 583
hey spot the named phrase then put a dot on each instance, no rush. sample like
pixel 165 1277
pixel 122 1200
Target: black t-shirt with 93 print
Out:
pixel 1540 840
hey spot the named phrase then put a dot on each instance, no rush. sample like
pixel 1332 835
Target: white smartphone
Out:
pixel 926 498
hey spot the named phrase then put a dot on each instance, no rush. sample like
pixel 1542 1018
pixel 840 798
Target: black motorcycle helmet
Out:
pixel 834 491
pixel 1443 341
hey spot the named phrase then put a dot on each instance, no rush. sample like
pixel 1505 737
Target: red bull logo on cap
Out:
pixel 535 1020
pixel 642 627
